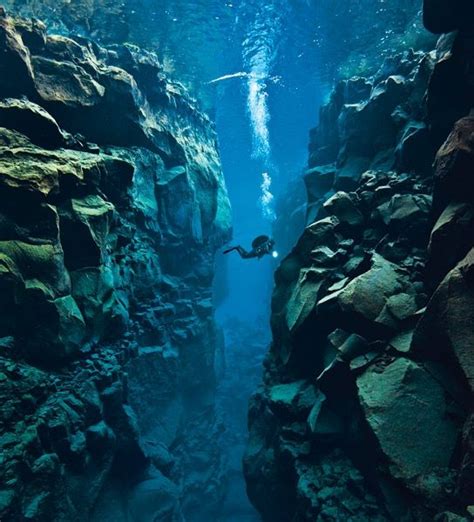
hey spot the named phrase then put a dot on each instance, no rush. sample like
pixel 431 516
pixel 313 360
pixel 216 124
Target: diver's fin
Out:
pixel 229 250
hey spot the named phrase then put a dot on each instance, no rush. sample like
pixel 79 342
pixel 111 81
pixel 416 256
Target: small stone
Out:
pixel 7 344
pixel 342 206
pixel 358 363
pixel 395 411
pixel 319 180
pixel 353 346
pixel 6 499
pixel 402 305
pixel 324 256
pixel 322 421
pixel 354 264
pixel 337 337
pixel 99 438
pixel 47 464
pixel 402 341
pixel 339 285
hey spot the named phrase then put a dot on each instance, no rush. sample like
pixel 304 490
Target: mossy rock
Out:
pixel 47 173
pixel 105 314
pixel 65 82
pixel 42 262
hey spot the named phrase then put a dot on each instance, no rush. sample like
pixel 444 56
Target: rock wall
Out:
pixel 112 205
pixel 365 410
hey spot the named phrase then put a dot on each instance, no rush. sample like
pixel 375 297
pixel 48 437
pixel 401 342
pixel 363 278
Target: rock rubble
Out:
pixel 365 409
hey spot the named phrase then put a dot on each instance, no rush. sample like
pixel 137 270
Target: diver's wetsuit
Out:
pixel 244 254
pixel 260 248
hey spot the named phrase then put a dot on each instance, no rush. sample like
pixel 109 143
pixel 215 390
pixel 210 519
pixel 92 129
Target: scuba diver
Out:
pixel 261 246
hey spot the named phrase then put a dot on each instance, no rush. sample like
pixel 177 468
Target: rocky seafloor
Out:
pixel 365 412
pixel 112 205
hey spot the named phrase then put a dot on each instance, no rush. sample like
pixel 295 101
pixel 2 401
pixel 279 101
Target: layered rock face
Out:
pixel 365 411
pixel 112 207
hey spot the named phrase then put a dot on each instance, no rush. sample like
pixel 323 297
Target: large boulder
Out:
pixel 342 206
pixel 450 240
pixel 407 411
pixel 318 181
pixel 407 213
pixel 349 172
pixel 454 180
pixel 374 116
pixel 33 121
pixel 173 188
pixel 303 298
pixel 105 311
pixel 66 83
pixel 85 226
pixel 41 265
pixel 155 499
pixel 54 328
pixel 365 305
pixel 445 330
pixel 415 151
pixel 287 400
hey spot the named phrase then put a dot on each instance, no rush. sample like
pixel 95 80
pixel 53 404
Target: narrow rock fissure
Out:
pixel 151 369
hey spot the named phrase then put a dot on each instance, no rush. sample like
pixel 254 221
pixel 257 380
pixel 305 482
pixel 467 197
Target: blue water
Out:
pixel 265 104
pixel 263 116
pixel 262 69
pixel 274 65
pixel 253 65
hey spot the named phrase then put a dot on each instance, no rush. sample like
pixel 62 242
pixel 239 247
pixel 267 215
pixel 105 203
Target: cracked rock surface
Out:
pixel 112 207
pixel 365 408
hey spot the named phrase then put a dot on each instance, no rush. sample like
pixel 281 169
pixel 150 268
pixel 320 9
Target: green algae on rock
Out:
pixel 107 171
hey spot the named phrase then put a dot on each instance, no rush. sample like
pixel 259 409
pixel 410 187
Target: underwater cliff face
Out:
pixel 112 207
pixel 365 410
pixel 120 401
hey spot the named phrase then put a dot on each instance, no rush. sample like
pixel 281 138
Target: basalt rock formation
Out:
pixel 112 205
pixel 365 410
